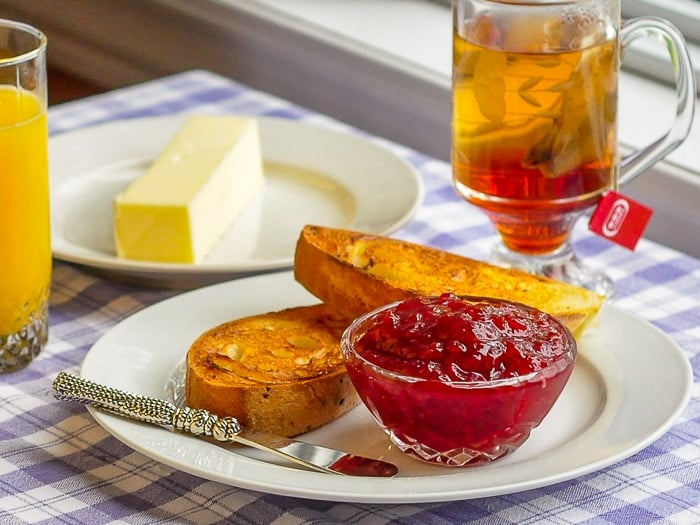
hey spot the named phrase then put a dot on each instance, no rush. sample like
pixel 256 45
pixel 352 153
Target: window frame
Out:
pixel 684 14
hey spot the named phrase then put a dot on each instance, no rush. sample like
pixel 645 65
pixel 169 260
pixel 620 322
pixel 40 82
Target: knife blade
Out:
pixel 220 431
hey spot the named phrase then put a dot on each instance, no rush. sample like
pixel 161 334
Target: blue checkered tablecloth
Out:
pixel 58 466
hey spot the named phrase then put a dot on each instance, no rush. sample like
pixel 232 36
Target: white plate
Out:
pixel 608 411
pixel 313 176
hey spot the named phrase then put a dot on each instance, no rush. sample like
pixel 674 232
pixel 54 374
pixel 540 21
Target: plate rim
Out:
pixel 310 485
pixel 219 271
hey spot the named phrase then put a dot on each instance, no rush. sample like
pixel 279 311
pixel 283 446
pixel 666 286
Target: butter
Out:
pixel 192 193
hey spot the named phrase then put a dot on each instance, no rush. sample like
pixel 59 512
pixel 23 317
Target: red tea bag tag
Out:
pixel 620 219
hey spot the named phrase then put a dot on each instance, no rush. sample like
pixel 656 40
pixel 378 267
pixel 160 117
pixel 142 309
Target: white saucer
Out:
pixel 313 176
pixel 607 412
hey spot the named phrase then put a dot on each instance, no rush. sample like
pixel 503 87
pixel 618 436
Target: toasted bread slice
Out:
pixel 353 273
pixel 281 372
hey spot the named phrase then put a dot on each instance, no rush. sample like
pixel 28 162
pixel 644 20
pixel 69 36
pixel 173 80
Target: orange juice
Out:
pixel 25 250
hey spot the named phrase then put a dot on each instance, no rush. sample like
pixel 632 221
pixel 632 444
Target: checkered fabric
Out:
pixel 58 466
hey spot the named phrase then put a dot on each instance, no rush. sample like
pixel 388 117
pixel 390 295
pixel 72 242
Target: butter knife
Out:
pixel 221 431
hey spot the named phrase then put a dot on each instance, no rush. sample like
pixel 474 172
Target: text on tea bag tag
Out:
pixel 620 219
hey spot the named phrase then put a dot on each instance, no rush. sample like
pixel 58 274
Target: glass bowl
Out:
pixel 458 381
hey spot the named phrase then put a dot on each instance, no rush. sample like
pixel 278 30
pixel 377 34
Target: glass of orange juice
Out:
pixel 534 128
pixel 25 245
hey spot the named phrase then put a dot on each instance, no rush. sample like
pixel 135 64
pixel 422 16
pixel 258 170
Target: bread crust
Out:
pixel 354 272
pixel 280 372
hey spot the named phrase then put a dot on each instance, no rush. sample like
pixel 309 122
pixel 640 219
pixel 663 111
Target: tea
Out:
pixel 534 130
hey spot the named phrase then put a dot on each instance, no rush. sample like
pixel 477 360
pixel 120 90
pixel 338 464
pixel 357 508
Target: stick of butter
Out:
pixel 192 193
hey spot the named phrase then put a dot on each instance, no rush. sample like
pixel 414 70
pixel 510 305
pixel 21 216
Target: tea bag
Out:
pixel 582 133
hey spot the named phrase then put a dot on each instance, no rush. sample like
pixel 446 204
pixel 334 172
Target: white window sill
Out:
pixel 381 65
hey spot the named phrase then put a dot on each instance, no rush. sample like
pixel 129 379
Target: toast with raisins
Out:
pixel 354 272
pixel 281 372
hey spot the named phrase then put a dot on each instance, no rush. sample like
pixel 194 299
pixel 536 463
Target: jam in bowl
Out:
pixel 458 381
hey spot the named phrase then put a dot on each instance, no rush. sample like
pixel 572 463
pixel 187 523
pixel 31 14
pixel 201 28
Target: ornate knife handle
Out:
pixel 70 387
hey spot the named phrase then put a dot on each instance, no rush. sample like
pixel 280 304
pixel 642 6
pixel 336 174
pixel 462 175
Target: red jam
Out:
pixel 458 381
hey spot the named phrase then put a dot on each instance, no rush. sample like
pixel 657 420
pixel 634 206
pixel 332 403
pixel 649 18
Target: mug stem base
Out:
pixel 562 265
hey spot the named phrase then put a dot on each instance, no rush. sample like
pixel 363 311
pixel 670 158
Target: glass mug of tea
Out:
pixel 25 246
pixel 534 130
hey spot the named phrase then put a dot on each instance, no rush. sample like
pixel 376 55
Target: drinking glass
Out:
pixel 534 130
pixel 25 248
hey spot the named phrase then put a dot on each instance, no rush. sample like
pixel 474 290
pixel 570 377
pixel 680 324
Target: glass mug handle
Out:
pixel 641 160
